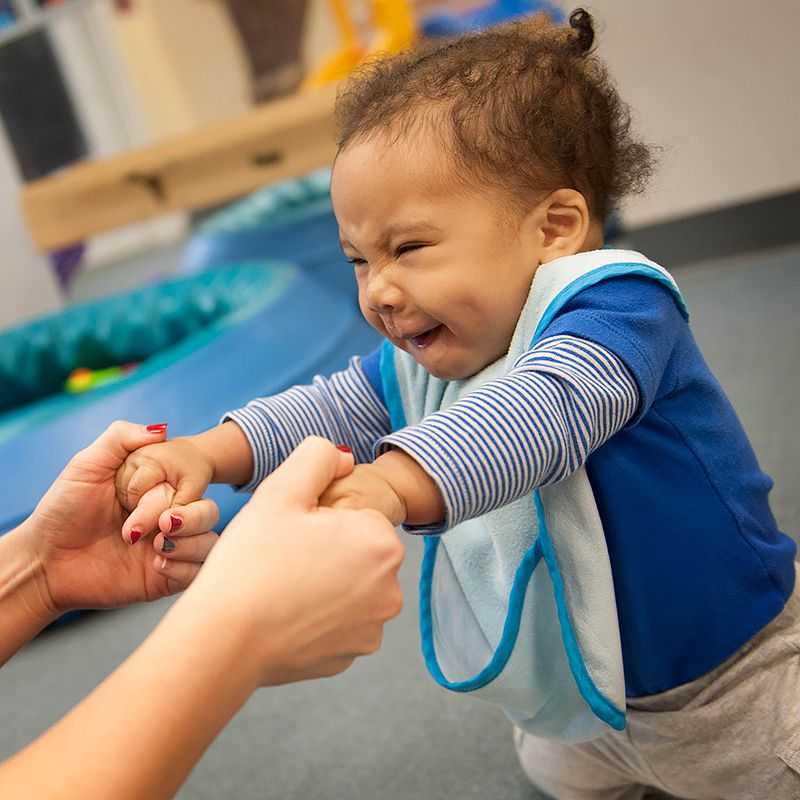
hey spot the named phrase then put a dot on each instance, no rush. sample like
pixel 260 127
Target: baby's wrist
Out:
pixel 227 452
pixel 419 495
pixel 205 448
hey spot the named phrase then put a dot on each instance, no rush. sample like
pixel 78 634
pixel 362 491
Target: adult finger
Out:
pixel 187 520
pixel 179 574
pixel 305 475
pixel 121 438
pixel 193 549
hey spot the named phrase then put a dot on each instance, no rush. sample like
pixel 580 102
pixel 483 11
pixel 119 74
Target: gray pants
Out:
pixel 733 734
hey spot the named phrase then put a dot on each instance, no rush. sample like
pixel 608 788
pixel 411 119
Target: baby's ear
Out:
pixel 564 224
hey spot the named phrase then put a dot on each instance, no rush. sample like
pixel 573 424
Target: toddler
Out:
pixel 601 559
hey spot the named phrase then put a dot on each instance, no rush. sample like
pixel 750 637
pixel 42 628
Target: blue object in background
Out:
pixel 291 221
pixel 7 16
pixel 447 23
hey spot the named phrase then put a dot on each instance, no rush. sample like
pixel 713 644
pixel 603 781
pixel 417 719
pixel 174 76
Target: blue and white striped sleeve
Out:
pixel 535 426
pixel 344 408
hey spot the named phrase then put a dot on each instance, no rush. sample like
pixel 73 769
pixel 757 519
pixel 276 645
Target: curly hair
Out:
pixel 526 107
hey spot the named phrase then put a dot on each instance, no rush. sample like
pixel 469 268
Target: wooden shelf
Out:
pixel 275 141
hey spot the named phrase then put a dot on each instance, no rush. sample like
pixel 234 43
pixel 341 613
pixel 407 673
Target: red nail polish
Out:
pixel 344 448
pixel 175 522
pixel 160 427
pixel 135 536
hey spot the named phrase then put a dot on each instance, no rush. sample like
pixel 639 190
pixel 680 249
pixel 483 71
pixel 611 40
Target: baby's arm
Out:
pixel 535 426
pixel 346 408
pixel 394 484
pixel 252 441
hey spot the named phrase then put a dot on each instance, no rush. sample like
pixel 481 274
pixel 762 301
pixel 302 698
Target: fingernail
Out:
pixel 163 563
pixel 175 522
pixel 344 448
pixel 135 536
pixel 167 546
pixel 160 427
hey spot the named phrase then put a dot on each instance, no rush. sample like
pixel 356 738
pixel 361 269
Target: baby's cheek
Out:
pixel 373 319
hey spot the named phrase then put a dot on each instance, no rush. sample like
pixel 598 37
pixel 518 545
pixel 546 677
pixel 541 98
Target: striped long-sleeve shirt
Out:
pixel 535 426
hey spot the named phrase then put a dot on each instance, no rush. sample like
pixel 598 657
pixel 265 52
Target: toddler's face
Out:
pixel 441 272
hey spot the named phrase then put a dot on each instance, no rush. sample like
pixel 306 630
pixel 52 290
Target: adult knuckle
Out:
pixel 391 550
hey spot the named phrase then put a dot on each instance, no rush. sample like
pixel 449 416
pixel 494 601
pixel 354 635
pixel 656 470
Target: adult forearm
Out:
pixel 24 604
pixel 142 730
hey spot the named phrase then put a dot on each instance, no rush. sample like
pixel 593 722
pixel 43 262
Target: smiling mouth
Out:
pixel 423 340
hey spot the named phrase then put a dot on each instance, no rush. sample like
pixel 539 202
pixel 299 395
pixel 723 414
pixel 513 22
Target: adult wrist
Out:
pixel 204 616
pixel 25 590
pixel 41 571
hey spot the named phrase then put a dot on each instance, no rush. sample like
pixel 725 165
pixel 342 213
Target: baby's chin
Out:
pixel 453 369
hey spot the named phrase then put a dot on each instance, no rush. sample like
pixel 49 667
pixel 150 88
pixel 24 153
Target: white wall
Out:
pixel 27 285
pixel 716 84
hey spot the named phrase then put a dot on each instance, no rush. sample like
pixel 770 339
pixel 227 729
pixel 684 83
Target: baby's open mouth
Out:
pixel 423 340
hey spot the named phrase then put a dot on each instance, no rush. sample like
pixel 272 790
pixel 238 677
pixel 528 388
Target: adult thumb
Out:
pixel 306 474
pixel 118 441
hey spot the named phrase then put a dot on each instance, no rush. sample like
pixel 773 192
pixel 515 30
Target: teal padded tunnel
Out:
pixel 36 359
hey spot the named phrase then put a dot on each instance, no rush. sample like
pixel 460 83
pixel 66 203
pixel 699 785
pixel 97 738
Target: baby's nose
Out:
pixel 383 295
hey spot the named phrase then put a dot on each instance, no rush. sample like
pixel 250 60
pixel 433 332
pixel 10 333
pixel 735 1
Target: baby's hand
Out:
pixel 366 487
pixel 178 463
pixel 183 537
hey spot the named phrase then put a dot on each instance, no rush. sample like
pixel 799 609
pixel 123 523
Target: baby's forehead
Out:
pixel 415 154
pixel 399 181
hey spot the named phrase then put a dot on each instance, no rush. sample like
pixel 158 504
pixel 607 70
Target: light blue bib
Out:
pixel 518 605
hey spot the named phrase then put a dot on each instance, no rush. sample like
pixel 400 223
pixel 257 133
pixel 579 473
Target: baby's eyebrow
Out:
pixel 406 228
pixel 394 230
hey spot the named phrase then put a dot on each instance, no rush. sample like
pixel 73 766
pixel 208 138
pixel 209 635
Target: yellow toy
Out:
pixel 84 380
pixel 396 31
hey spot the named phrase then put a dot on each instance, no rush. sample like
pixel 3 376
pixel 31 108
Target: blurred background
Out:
pixel 169 251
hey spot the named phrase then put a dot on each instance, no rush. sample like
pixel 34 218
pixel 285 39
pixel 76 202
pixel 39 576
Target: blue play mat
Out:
pixel 207 343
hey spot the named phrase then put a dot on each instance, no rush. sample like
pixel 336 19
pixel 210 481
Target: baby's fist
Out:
pixel 366 487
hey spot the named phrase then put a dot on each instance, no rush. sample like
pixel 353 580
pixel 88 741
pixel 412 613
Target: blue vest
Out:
pixel 518 605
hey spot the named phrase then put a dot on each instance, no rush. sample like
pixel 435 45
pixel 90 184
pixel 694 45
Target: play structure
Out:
pixel 395 30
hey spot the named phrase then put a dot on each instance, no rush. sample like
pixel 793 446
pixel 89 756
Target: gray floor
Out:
pixel 383 729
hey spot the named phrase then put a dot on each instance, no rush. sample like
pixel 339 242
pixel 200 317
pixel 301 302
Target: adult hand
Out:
pixel 310 587
pixel 74 532
pixel 292 591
